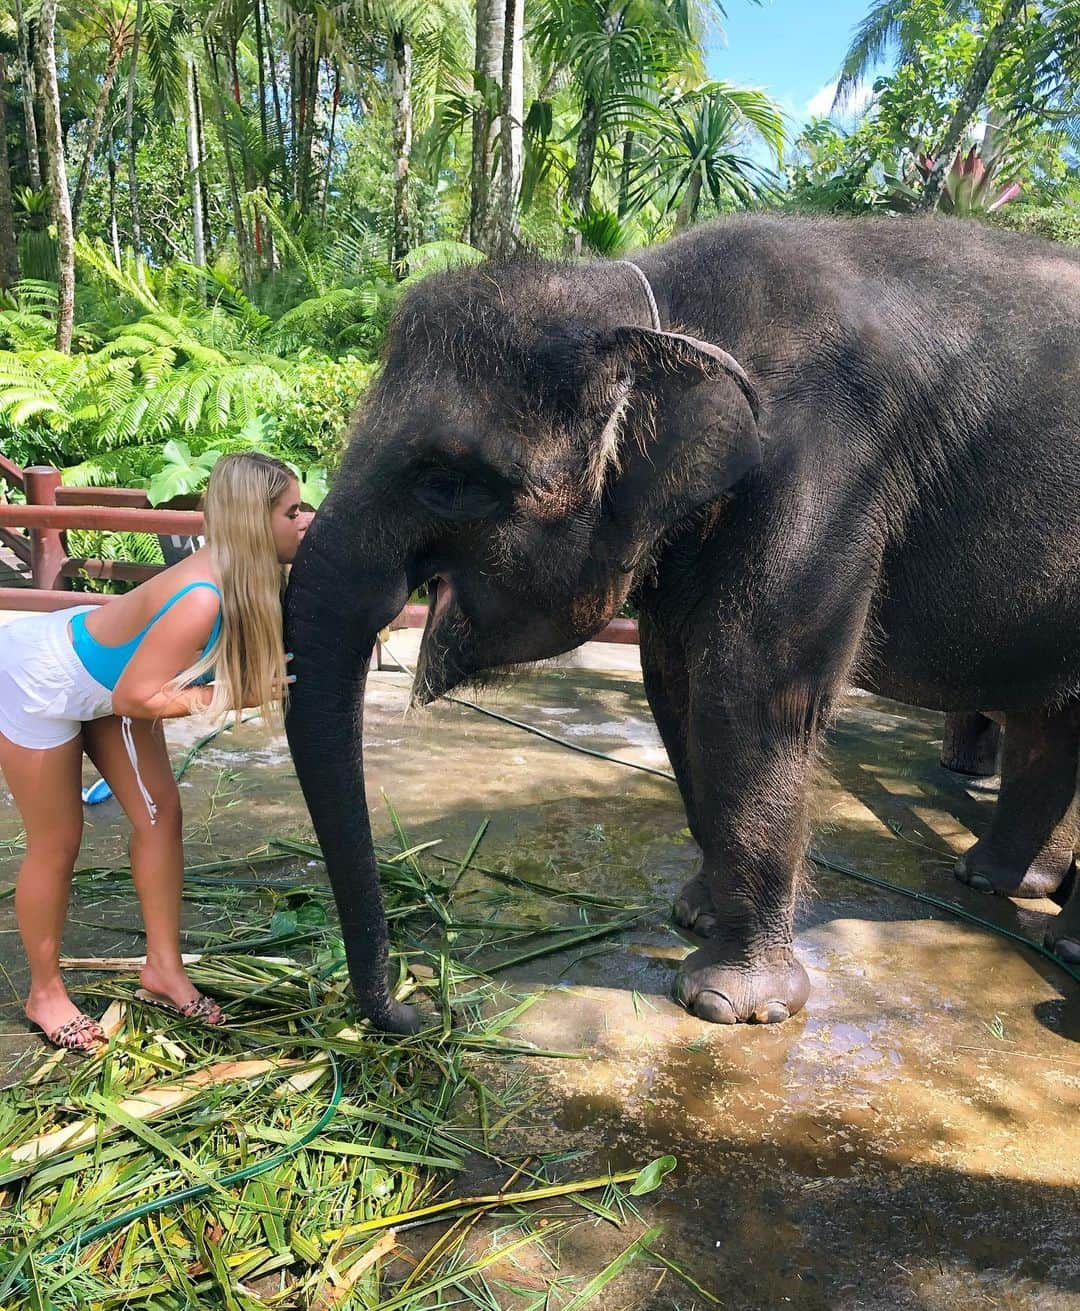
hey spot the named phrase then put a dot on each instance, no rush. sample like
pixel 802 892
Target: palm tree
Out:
pixel 194 160
pixel 133 180
pixel 511 124
pixel 113 26
pixel 487 78
pixel 58 187
pixel 904 25
pixel 497 124
pixel 971 97
pixel 898 24
pixel 699 146
pixel 617 52
pixel 26 76
pixel 399 58
pixel 9 256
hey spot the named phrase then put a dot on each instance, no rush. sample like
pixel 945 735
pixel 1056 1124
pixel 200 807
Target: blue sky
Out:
pixel 792 48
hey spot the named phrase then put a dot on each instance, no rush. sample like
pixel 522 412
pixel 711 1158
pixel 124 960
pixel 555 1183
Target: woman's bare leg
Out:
pixel 157 850
pixel 46 787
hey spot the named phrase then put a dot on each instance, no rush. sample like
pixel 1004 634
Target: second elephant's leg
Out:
pixel 1028 849
pixel 1063 935
pixel 971 744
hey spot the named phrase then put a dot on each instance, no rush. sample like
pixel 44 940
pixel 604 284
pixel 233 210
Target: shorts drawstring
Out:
pixel 129 747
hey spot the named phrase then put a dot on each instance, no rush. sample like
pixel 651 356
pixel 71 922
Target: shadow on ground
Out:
pixel 910 1141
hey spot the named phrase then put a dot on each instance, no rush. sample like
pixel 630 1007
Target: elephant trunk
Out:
pixel 332 645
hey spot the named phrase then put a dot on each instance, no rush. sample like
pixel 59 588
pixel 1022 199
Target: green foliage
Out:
pixel 1058 222
pixel 135 548
pixel 180 472
pixel 854 168
pixel 312 416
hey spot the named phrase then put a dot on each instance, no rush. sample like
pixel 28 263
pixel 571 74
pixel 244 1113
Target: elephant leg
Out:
pixel 667 687
pixel 971 744
pixel 751 762
pixel 1028 850
pixel 752 737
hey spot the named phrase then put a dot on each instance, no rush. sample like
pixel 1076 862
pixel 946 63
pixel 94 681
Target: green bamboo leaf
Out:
pixel 612 1270
pixel 112 1111
pixel 652 1176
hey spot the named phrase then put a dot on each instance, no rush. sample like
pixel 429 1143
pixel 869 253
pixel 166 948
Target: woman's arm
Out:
pixel 174 643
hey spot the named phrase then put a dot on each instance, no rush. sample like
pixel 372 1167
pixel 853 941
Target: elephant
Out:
pixel 812 451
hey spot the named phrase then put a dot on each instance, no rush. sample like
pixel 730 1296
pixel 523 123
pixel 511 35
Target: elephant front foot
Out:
pixel 716 985
pixel 694 910
pixel 980 869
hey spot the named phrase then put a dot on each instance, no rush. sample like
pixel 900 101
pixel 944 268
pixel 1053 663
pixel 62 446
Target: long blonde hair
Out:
pixel 248 659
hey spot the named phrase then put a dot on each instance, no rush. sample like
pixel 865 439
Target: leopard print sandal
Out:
pixel 81 1035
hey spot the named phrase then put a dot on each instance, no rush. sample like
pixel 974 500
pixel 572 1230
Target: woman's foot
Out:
pixel 61 1021
pixel 173 990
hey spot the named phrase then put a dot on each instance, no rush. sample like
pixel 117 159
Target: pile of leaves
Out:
pixel 296 1159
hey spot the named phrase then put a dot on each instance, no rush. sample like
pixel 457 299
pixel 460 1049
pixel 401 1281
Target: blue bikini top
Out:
pixel 106 663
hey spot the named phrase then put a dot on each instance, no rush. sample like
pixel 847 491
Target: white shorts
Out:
pixel 46 693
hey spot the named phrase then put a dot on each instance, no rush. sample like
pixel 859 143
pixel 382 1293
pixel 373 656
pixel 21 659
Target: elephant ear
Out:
pixel 689 414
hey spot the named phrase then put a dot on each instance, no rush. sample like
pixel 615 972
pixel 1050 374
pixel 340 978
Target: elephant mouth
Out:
pixel 436 671
pixel 441 592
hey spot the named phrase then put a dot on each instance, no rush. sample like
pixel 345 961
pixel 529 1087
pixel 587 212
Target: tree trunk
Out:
pixel 625 172
pixel 114 229
pixel 688 206
pixel 330 140
pixel 581 175
pixel 511 125
pixel 200 147
pixel 293 145
pixel 116 50
pixel 260 54
pixel 58 187
pixel 308 96
pixel 487 73
pixel 251 180
pixel 9 255
pixel 274 91
pixel 242 251
pixel 970 99
pixel 195 169
pixel 401 96
pixel 133 180
pixel 26 76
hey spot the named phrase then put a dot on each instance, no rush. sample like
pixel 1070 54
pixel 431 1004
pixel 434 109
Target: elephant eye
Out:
pixel 455 494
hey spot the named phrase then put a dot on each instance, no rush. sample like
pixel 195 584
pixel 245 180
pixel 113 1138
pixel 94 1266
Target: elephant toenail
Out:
pixel 977 882
pixel 773 1012
pixel 714 1007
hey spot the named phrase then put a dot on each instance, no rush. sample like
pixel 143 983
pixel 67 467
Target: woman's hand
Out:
pixel 282 686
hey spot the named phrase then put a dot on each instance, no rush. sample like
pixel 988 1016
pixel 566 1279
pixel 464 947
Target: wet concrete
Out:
pixel 910 1141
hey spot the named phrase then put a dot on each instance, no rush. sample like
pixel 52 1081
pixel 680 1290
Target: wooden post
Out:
pixel 48 551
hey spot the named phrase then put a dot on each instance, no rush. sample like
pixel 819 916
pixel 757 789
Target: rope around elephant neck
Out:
pixel 646 286
pixel 837 867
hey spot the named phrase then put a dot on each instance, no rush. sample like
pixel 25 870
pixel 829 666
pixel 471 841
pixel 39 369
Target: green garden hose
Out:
pixel 200 1190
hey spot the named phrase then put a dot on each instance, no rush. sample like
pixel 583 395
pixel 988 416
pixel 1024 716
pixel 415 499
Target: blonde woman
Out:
pixel 101 679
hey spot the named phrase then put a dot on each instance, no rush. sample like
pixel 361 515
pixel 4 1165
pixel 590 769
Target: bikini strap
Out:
pixel 199 582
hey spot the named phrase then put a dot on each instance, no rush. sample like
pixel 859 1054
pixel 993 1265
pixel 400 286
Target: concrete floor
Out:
pixel 910 1141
